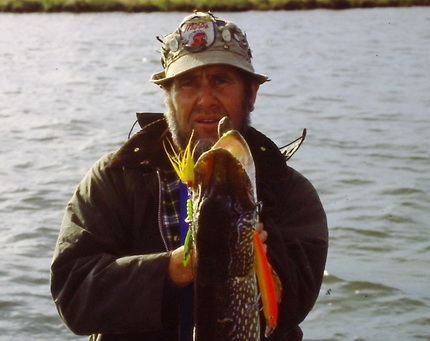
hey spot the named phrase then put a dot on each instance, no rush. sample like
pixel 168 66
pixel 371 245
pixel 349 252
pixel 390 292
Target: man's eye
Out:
pixel 186 83
pixel 221 80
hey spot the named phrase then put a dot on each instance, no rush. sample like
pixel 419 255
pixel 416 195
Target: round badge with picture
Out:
pixel 198 33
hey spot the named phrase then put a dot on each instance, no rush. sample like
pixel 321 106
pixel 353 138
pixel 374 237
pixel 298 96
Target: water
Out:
pixel 358 80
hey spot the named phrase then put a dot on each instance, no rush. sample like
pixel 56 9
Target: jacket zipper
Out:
pixel 160 224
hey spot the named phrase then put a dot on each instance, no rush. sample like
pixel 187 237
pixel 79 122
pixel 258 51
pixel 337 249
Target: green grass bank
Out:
pixel 25 6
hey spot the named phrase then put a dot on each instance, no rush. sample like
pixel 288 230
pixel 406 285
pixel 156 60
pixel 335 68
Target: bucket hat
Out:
pixel 203 39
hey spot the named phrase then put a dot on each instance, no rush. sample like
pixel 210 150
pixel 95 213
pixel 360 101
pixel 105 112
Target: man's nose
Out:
pixel 207 96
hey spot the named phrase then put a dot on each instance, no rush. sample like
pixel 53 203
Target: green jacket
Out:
pixel 108 275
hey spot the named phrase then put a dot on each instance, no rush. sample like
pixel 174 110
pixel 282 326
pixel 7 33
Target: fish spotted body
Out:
pixel 232 272
pixel 225 215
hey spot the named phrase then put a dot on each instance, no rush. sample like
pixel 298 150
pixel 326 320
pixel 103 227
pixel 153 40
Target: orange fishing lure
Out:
pixel 266 285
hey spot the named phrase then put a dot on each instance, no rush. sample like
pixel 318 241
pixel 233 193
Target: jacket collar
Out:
pixel 146 147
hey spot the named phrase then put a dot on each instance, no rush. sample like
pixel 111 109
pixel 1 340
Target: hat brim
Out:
pixel 192 61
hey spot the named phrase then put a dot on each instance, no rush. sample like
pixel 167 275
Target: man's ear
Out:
pixel 254 89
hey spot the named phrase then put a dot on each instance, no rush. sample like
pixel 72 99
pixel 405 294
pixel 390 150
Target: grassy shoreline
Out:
pixel 79 6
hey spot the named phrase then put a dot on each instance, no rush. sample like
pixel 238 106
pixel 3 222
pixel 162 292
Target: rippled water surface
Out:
pixel 358 80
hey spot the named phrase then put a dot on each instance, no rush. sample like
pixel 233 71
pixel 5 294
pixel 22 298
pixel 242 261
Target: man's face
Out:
pixel 199 98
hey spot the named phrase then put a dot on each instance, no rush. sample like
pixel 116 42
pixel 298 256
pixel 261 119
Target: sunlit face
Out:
pixel 199 98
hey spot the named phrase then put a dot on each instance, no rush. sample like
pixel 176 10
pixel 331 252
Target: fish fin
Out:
pixel 289 149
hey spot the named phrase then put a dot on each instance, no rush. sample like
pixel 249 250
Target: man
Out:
pixel 117 272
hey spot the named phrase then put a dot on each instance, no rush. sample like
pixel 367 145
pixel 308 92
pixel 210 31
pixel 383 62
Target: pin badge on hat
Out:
pixel 226 35
pixel 203 39
pixel 198 33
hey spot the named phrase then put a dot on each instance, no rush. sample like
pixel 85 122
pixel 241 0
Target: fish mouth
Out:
pixel 219 173
pixel 228 163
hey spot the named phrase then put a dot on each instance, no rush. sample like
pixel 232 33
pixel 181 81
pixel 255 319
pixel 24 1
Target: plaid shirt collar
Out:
pixel 169 209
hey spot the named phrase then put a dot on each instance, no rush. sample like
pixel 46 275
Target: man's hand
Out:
pixel 183 276
pixel 178 273
pixel 263 234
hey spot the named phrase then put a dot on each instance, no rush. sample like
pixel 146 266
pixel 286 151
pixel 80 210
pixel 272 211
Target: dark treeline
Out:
pixel 22 6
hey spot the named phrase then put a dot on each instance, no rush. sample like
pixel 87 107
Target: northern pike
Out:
pixel 225 215
pixel 223 228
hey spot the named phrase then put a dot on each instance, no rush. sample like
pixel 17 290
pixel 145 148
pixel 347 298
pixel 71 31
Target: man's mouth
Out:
pixel 208 121
pixel 206 125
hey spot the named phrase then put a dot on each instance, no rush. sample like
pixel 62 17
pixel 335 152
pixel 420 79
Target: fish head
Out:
pixel 225 208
